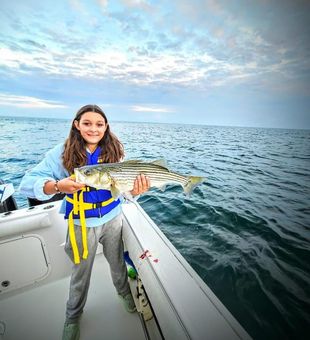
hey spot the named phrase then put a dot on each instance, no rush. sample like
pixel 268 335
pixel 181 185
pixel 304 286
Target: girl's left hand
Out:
pixel 142 184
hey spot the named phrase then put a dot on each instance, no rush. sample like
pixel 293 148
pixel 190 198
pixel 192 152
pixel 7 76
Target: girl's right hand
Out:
pixel 69 185
pixel 66 185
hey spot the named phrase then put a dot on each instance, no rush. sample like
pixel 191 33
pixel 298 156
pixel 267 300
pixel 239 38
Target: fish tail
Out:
pixel 191 184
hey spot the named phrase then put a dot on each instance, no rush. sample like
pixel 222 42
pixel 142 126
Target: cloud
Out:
pixel 103 4
pixel 138 4
pixel 138 67
pixel 118 65
pixel 28 102
pixel 78 6
pixel 195 46
pixel 151 108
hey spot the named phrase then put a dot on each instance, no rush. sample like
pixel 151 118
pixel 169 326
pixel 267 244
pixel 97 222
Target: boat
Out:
pixel 172 301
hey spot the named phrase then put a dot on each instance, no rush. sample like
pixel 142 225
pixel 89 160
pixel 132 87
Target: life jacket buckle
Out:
pixel 97 205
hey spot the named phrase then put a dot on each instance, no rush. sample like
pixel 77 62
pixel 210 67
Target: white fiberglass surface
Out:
pixel 39 313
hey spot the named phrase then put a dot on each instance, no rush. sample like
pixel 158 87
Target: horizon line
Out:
pixel 164 123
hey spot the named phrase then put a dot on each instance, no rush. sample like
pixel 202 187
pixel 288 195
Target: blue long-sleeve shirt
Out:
pixel 50 169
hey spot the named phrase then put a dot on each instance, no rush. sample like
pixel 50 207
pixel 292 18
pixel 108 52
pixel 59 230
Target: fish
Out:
pixel 119 177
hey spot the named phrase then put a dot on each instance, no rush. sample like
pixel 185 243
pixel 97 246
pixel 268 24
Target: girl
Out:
pixel 90 141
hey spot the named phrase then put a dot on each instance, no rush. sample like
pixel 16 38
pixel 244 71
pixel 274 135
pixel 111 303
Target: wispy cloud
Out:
pixel 138 4
pixel 28 102
pixel 151 108
pixel 215 46
pixel 103 4
pixel 181 70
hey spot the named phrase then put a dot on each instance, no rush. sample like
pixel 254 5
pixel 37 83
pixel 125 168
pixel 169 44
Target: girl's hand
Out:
pixel 65 185
pixel 141 185
pixel 69 185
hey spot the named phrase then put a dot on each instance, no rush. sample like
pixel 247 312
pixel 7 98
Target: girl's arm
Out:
pixel 49 169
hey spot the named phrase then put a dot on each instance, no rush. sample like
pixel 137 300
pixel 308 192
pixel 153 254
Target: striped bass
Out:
pixel 119 177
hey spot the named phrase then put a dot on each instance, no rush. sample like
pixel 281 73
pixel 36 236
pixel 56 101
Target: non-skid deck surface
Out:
pixel 38 314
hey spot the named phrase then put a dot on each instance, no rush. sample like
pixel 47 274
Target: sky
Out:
pixel 226 62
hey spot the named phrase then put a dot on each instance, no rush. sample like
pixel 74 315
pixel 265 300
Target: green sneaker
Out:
pixel 71 331
pixel 128 303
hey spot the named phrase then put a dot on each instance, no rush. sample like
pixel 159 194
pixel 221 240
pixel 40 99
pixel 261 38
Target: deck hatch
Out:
pixel 23 261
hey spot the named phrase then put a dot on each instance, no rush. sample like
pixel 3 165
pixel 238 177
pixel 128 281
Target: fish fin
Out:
pixel 191 184
pixel 115 190
pixel 133 161
pixel 77 176
pixel 161 162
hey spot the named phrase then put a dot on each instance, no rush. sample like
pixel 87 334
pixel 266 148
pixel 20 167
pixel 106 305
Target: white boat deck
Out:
pixel 39 313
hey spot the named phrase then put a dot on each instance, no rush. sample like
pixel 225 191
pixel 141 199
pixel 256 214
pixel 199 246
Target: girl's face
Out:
pixel 92 127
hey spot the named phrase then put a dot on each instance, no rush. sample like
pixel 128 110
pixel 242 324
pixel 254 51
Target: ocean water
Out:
pixel 245 230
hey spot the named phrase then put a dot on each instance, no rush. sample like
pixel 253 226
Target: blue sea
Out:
pixel 245 230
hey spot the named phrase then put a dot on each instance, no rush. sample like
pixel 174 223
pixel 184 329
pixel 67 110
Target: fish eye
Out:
pixel 88 172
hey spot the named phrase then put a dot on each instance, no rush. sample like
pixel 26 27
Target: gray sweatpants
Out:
pixel 110 236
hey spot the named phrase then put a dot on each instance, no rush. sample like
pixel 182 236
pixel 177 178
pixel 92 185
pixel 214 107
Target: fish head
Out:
pixel 88 176
pixel 93 177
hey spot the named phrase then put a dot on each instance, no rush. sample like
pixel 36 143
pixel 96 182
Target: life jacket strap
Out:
pixel 79 208
pixel 87 206
pixel 83 225
pixel 75 249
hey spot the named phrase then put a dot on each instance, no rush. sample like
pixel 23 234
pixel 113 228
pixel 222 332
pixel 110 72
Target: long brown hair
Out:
pixel 74 154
